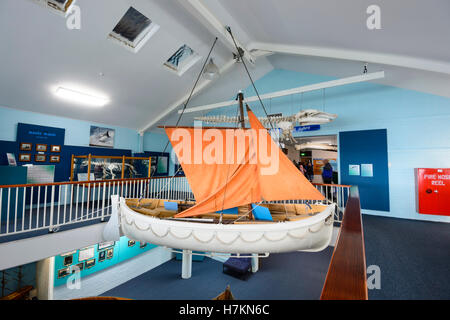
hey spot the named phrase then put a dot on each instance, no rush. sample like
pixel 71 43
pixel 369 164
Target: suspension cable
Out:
pixel 181 115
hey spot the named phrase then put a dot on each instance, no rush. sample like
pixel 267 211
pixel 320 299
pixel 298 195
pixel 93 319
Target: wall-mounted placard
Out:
pixel 367 170
pixel 353 170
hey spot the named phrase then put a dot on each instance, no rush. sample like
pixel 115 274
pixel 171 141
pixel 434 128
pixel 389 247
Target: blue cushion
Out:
pixel 229 211
pixel 261 213
pixel 172 206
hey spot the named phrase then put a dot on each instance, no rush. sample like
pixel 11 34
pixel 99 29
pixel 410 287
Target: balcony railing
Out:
pixel 36 207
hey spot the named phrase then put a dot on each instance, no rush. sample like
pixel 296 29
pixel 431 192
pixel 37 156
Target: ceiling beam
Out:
pixel 311 87
pixel 215 26
pixel 354 55
pixel 201 86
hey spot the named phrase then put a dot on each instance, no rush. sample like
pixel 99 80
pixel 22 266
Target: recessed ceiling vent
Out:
pixel 133 30
pixel 61 7
pixel 183 59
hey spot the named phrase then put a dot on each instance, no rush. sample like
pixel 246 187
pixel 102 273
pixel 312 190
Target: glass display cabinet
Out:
pixel 91 167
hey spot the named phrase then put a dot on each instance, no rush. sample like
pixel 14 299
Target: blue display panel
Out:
pixel 101 259
pixel 368 150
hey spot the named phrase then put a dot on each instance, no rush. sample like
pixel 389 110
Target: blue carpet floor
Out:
pixel 413 256
pixel 281 276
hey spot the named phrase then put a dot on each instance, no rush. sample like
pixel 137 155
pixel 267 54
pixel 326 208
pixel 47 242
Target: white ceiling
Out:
pixel 38 52
pixel 408 27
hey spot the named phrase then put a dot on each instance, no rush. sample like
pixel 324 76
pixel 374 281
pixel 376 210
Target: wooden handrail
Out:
pixel 111 157
pixel 346 278
pixel 331 185
pixel 20 294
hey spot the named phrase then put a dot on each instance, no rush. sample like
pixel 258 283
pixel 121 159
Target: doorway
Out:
pixel 317 151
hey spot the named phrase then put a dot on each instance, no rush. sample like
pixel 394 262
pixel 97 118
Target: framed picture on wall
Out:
pixel 55 158
pixel 40 157
pixel 101 256
pixel 131 243
pixel 104 245
pixel 109 253
pixel 11 159
pixel 63 272
pixel 25 146
pixel 54 148
pixel 68 260
pixel 41 147
pixel 86 253
pixel 101 137
pixel 89 264
pixel 24 157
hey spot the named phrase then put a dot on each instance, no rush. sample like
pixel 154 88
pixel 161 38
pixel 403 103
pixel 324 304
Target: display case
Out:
pixel 92 167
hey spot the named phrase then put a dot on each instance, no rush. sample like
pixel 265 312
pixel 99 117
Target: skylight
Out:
pixel 133 30
pixel 182 60
pixel 61 7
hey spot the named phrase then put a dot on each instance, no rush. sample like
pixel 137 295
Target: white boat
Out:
pixel 204 226
pixel 312 233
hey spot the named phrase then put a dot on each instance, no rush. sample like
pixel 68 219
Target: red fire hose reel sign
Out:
pixel 433 191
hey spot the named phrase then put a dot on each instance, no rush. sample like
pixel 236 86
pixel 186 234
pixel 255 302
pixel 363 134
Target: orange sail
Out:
pixel 231 167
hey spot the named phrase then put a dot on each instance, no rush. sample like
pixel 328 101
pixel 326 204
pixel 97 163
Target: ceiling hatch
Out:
pixel 133 30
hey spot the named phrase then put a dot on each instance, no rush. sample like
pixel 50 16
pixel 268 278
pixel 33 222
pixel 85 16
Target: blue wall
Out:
pixel 76 139
pixel 157 142
pixel 417 124
pixel 77 132
pixel 121 251
pixel 366 147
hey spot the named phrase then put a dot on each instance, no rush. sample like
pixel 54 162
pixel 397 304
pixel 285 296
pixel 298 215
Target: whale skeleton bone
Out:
pixel 285 123
pixel 109 167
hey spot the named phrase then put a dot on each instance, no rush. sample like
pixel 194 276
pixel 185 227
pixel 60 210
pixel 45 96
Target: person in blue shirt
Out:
pixel 327 173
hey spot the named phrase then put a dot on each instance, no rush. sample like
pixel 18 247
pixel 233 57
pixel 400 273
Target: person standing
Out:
pixel 310 170
pixel 302 168
pixel 327 173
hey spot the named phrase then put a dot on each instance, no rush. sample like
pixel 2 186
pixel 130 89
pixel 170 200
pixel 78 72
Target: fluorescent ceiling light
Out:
pixel 80 97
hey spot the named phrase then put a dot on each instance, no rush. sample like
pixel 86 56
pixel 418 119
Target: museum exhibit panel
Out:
pixel 224 150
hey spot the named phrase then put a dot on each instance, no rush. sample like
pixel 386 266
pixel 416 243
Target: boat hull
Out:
pixel 311 234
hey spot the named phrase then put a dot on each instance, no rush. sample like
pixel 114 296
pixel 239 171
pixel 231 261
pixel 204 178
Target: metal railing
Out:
pixel 32 207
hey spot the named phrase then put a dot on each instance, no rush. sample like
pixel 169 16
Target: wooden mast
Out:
pixel 240 97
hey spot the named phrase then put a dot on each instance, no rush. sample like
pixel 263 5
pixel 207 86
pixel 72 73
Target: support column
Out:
pixel 255 262
pixel 186 268
pixel 45 275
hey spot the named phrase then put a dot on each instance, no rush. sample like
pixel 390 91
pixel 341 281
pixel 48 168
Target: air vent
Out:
pixel 183 59
pixel 61 7
pixel 133 30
